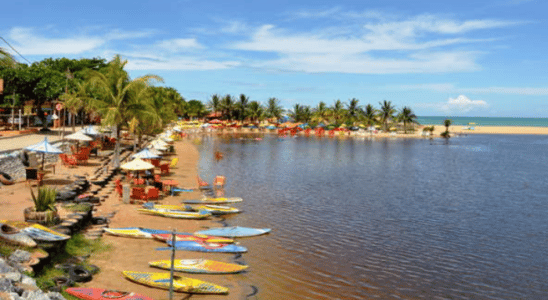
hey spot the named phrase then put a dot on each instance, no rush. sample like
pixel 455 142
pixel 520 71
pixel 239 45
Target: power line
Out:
pixel 14 49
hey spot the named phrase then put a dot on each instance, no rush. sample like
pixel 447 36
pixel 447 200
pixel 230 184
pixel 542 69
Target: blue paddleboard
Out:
pixel 234 232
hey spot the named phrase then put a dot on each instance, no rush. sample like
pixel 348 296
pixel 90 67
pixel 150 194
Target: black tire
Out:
pixel 79 274
pixel 99 220
pixel 62 282
pixel 64 267
pixel 93 269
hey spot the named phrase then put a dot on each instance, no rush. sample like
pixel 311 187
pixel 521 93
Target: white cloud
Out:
pixel 411 45
pixel 179 63
pixel 28 43
pixel 175 45
pixel 456 106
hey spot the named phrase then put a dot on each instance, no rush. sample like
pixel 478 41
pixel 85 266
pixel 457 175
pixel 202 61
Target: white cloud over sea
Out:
pixel 456 106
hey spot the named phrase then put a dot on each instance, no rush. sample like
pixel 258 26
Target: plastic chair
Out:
pixel 174 162
pixel 219 181
pixel 164 169
pixel 152 194
pixel 137 193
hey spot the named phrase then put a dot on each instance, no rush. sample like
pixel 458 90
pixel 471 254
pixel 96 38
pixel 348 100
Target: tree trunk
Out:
pixel 116 160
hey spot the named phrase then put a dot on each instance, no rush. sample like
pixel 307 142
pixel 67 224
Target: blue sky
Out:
pixel 441 58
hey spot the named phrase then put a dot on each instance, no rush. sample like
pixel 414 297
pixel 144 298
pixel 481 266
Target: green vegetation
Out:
pixel 45 200
pixel 77 246
pixel 446 123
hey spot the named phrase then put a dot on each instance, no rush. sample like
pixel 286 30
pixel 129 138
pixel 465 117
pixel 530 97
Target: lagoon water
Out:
pixel 390 218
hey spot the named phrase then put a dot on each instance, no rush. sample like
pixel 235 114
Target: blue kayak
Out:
pixel 206 247
pixel 234 232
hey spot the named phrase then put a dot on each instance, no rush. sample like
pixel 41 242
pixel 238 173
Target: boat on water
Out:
pixel 219 200
pixel 180 284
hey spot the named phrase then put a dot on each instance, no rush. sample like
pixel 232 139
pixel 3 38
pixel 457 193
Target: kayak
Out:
pixel 13 235
pixel 234 232
pixel 102 294
pixel 221 200
pixel 201 266
pixel 213 209
pixel 148 233
pixel 176 213
pixel 37 232
pixel 206 247
pixel 191 237
pixel 180 284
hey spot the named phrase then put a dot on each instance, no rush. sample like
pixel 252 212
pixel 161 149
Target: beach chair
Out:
pixel 174 162
pixel 119 190
pixel 137 193
pixel 155 162
pixel 219 182
pixel 152 194
pixel 68 161
pixel 138 181
pixel 164 169
pixel 201 182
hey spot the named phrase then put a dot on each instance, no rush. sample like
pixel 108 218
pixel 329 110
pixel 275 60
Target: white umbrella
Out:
pixel 44 147
pixel 137 165
pixel 90 130
pixel 79 136
pixel 146 154
pixel 154 151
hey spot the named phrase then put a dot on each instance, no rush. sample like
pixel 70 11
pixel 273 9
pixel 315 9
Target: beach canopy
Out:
pixel 44 147
pixel 137 165
pixel 79 136
pixel 146 154
pixel 154 151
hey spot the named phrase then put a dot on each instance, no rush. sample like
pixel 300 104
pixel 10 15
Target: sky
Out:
pixel 441 58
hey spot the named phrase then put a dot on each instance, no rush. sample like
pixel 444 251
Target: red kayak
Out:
pixel 190 237
pixel 102 294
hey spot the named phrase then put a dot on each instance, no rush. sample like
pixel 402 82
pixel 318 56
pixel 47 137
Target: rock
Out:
pixel 5 268
pixel 13 276
pixel 5 285
pixel 14 296
pixel 28 281
pixel 55 296
pixel 20 256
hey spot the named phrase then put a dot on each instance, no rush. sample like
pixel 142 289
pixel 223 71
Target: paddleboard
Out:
pixel 201 266
pixel 191 237
pixel 180 284
pixel 134 232
pixel 206 247
pixel 234 232
pixel 213 209
pixel 102 294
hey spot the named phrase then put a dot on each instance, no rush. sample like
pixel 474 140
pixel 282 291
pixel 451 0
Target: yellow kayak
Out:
pixel 202 266
pixel 176 214
pixel 219 200
pixel 180 284
pixel 213 209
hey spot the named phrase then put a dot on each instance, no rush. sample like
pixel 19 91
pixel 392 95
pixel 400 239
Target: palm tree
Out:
pixel 446 123
pixel 215 103
pixel 353 110
pixel 337 111
pixel 76 100
pixel 369 115
pixel 255 111
pixel 273 108
pixel 306 114
pixel 296 112
pixel 121 97
pixel 227 106
pixel 386 113
pixel 242 106
pixel 406 116
pixel 321 113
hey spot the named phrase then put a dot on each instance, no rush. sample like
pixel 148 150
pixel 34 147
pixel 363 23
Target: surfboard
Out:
pixel 221 200
pixel 234 232
pixel 176 213
pixel 180 284
pixel 213 209
pixel 191 237
pixel 200 266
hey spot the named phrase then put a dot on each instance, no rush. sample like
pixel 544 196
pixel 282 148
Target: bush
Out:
pixel 45 199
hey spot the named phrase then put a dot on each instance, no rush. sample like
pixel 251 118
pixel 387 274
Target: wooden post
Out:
pixel 172 264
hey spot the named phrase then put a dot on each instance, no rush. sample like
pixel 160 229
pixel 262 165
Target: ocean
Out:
pixel 389 218
pixel 486 121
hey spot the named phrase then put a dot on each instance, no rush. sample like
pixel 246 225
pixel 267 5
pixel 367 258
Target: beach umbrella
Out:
pixel 146 154
pixel 154 151
pixel 137 165
pixel 79 136
pixel 44 147
pixel 90 130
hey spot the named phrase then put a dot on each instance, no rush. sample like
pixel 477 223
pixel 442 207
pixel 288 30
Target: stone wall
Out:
pixel 11 163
